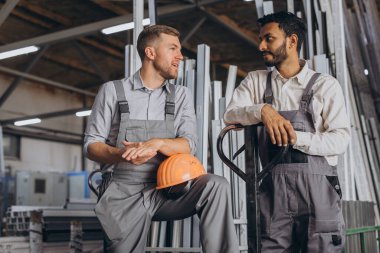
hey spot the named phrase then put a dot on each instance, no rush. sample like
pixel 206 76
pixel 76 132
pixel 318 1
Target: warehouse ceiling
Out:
pixel 75 52
pixel 82 57
pixel 76 56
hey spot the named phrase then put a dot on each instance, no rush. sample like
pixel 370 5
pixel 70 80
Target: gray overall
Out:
pixel 301 201
pixel 131 202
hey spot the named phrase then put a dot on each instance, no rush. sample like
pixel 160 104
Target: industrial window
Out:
pixel 11 144
pixel 39 185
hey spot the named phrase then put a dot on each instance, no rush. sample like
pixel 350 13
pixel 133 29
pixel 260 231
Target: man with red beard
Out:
pixel 300 200
pixel 135 124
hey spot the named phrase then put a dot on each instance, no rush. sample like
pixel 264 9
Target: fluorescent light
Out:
pixel 83 113
pixel 123 27
pixel 27 122
pixel 19 51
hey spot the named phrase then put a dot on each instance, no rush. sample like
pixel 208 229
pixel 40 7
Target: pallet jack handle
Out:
pixel 90 182
pixel 260 176
pixel 252 180
pixel 99 189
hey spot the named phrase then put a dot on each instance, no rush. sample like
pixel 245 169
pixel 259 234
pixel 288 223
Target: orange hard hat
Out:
pixel 178 169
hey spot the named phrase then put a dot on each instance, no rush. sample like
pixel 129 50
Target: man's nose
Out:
pixel 180 56
pixel 262 46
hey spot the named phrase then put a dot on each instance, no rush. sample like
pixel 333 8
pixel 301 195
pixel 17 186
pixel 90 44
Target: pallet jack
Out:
pixel 252 176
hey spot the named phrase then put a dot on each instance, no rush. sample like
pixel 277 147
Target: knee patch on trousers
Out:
pixel 328 236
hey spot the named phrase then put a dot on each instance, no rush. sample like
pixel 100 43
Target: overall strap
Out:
pixel 107 171
pixel 268 93
pixel 170 103
pixel 123 110
pixel 308 92
pixel 121 100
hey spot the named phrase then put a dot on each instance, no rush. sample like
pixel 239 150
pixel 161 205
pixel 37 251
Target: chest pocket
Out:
pixel 136 134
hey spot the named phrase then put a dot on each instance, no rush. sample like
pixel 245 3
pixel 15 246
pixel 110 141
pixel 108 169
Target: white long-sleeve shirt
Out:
pixel 331 121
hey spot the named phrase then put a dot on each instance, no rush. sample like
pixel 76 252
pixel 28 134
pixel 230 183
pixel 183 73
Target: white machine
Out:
pixel 41 188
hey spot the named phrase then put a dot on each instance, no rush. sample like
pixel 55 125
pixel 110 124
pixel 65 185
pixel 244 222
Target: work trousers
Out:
pixel 301 212
pixel 126 211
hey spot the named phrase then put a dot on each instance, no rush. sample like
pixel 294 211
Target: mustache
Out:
pixel 266 52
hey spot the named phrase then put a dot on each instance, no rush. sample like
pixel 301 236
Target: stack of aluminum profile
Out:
pixel 14 244
pixel 22 245
pixel 231 145
pixel 17 221
pixel 361 26
pixel 55 223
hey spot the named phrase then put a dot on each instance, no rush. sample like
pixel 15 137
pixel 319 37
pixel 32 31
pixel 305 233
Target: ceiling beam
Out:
pixel 42 135
pixel 232 26
pixel 54 131
pixel 45 81
pixel 27 16
pixel 45 12
pixel 111 7
pixel 7 9
pixel 193 30
pixel 45 115
pixel 89 28
pixel 112 49
pixel 91 62
pixel 204 2
pixel 70 62
pixel 18 80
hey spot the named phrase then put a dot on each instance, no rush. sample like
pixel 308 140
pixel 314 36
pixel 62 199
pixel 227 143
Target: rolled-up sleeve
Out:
pixel 187 121
pixel 243 108
pixel 99 122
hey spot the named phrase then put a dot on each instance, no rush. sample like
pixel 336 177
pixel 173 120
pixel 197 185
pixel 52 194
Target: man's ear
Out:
pixel 150 53
pixel 293 40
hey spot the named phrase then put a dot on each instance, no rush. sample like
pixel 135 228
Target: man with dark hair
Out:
pixel 288 23
pixel 300 200
pixel 135 124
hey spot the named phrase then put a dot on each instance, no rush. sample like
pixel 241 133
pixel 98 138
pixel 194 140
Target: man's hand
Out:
pixel 140 152
pixel 280 130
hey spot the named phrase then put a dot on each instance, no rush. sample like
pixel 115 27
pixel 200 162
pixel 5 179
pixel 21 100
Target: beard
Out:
pixel 167 73
pixel 278 56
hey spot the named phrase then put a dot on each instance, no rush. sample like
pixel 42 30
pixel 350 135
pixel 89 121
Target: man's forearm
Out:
pixel 170 147
pixel 103 153
pixel 147 149
pixel 246 115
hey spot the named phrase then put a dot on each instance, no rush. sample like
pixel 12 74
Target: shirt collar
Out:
pixel 300 77
pixel 138 83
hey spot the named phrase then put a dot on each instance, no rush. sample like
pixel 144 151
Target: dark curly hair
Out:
pixel 289 23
